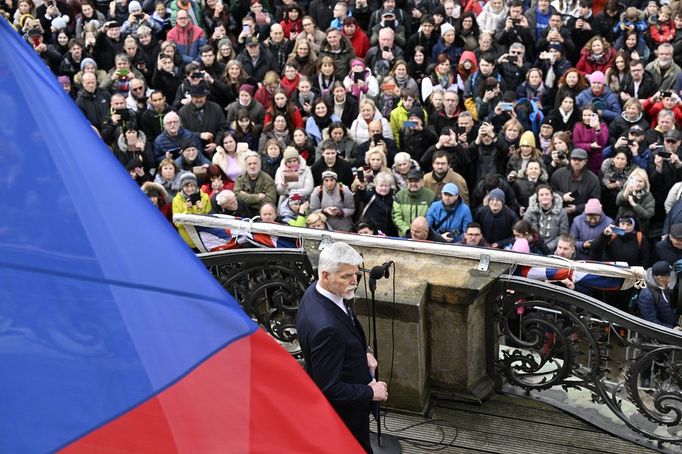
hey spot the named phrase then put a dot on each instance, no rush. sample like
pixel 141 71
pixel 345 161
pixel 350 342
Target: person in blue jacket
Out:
pixel 655 301
pixel 449 216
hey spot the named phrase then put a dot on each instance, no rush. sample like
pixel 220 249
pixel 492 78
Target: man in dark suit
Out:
pixel 333 341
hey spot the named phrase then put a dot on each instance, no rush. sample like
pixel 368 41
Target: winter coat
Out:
pixel 313 130
pixel 607 102
pixel 644 209
pixel 489 20
pixel 378 209
pixel 626 248
pixel 180 206
pixel 95 106
pixel 266 62
pixel 582 231
pixel 188 41
pixel 587 66
pixel 456 223
pixel 321 199
pixel 304 185
pixel 497 227
pixel 655 303
pixel 584 137
pixel 342 58
pixel 407 206
pixel 165 143
pixel 264 184
pixel 359 130
pixel 586 185
pixel 549 224
pixel 255 109
pixel 666 82
pixel 620 126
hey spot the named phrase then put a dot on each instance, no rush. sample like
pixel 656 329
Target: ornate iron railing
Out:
pixel 549 337
pixel 268 285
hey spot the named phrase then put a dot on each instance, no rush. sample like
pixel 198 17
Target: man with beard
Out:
pixel 664 70
pixel 442 174
pixel 333 342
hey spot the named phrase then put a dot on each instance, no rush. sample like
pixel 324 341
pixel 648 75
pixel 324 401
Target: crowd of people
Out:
pixel 481 123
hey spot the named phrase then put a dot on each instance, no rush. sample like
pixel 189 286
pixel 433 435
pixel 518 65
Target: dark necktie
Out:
pixel 200 116
pixel 349 311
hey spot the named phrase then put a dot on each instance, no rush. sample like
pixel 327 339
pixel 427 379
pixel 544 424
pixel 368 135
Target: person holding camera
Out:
pixel 664 99
pixel 591 135
pixel 190 200
pixel 449 216
pixel 614 176
pixel 120 119
pixel 515 29
pixel 622 242
pixel 667 169
pixel 636 197
pixel 576 183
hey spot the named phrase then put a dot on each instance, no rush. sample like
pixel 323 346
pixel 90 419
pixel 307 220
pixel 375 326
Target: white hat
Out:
pixel 446 27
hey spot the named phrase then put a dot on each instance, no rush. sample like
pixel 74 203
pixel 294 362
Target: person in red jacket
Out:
pixel 358 39
pixel 663 100
pixel 597 55
pixel 292 24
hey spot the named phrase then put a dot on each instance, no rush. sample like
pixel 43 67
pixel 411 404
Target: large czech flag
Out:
pixel 113 336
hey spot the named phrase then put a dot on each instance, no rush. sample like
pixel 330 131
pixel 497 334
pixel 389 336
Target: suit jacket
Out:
pixel 335 352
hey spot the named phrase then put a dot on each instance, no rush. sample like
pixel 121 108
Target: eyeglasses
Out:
pixel 516 53
pixel 138 89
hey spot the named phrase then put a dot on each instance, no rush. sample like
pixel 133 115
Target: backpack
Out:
pixel 633 306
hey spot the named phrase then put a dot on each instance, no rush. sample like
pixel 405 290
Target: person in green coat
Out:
pixel 255 187
pixel 411 202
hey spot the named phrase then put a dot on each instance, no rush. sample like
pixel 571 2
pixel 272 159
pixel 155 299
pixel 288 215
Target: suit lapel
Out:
pixel 341 315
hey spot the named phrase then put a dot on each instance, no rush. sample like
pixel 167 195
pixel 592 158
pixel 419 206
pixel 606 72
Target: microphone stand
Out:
pixel 380 443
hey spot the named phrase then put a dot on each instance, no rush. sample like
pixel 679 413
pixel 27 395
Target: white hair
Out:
pixel 223 196
pixel 335 255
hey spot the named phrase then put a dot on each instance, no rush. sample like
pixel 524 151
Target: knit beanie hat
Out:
pixel 290 153
pixel 187 177
pixel 528 138
pixel 497 193
pixel 593 206
pixel 86 62
pixel 521 245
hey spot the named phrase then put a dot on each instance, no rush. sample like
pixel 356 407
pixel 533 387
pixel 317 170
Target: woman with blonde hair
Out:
pixel 636 197
pixel 375 163
pixel 305 57
pixel 359 130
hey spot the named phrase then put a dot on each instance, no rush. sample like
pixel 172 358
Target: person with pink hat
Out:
pixel 588 226
pixel 598 94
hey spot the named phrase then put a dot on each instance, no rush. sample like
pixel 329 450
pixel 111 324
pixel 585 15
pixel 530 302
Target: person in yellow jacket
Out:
pixel 191 201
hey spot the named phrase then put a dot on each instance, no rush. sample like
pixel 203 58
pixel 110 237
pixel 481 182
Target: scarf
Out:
pixel 401 81
pixel 309 98
pixel 322 122
pixel 600 59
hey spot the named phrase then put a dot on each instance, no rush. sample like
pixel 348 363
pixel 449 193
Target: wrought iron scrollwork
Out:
pixel 268 286
pixel 552 338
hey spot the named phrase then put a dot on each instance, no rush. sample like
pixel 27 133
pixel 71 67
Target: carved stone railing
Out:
pixel 268 285
pixel 589 358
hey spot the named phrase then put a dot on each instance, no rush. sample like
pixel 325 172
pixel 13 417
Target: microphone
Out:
pixel 381 271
